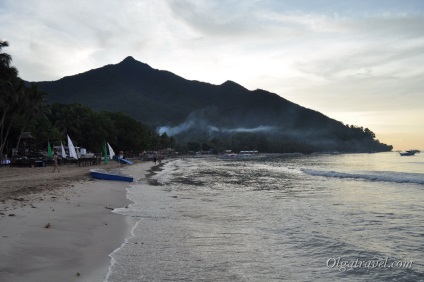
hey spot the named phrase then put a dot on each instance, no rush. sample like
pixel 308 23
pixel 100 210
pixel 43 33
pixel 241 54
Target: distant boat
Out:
pixel 111 175
pixel 229 156
pixel 409 153
pixel 242 154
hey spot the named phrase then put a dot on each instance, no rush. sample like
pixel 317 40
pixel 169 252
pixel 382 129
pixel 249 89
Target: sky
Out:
pixel 358 62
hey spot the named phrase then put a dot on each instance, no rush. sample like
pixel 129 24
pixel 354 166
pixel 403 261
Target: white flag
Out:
pixel 111 152
pixel 63 151
pixel 72 152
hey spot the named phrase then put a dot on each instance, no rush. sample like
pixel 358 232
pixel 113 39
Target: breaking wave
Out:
pixel 385 176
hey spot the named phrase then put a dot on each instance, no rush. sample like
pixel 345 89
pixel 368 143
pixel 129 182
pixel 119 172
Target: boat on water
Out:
pixel 409 153
pixel 115 174
pixel 242 154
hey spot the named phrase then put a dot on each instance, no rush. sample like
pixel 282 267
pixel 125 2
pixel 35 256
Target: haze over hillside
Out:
pixel 193 110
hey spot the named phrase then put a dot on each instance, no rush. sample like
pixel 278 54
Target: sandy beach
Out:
pixel 60 226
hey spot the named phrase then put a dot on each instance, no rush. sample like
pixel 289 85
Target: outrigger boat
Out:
pixel 409 153
pixel 115 174
pixel 122 160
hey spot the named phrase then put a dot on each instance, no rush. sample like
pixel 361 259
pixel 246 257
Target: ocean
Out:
pixel 291 217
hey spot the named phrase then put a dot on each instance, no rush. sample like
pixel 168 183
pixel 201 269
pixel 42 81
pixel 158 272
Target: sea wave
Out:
pixel 386 176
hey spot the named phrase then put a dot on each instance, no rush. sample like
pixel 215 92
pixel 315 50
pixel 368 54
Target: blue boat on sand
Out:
pixel 122 160
pixel 111 175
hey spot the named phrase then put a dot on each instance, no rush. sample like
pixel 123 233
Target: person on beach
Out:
pixel 55 162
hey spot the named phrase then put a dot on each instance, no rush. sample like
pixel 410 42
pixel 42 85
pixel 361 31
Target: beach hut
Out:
pixel 25 143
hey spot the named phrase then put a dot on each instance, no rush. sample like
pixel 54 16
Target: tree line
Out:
pixel 354 141
pixel 23 107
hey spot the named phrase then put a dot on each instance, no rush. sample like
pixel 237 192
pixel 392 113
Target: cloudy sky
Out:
pixel 359 62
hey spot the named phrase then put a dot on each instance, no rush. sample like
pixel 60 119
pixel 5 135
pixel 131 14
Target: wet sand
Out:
pixel 60 226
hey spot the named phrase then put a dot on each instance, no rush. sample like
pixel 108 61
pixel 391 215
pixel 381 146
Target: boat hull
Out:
pixel 408 153
pixel 122 161
pixel 101 174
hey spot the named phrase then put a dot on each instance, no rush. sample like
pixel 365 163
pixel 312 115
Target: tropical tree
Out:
pixel 132 135
pixel 97 129
pixel 34 104
pixel 43 130
pixel 7 72
pixel 85 127
pixel 164 141
pixel 12 93
pixel 8 79
pixel 7 75
pixel 69 118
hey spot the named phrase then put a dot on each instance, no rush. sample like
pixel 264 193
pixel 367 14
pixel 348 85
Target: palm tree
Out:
pixel 11 89
pixel 5 60
pixel 12 110
pixel 7 75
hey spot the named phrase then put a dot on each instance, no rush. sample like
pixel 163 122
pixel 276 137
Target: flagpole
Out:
pixel 105 154
pixel 49 152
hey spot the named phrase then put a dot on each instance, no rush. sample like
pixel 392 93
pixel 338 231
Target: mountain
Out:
pixel 199 110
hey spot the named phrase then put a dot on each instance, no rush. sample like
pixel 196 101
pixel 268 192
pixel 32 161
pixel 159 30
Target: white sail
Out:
pixel 111 152
pixel 72 152
pixel 63 151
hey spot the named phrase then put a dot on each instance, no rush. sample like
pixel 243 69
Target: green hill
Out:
pixel 197 110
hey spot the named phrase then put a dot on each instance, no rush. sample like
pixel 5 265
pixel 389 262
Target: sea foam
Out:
pixel 386 176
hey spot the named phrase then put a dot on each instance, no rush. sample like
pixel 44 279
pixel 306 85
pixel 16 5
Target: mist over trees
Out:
pixel 209 128
pixel 276 141
pixel 226 116
pixel 135 108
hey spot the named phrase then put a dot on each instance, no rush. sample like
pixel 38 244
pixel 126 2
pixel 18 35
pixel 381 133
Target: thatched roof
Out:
pixel 27 135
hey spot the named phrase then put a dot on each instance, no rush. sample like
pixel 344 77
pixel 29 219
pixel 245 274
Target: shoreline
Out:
pixel 60 226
